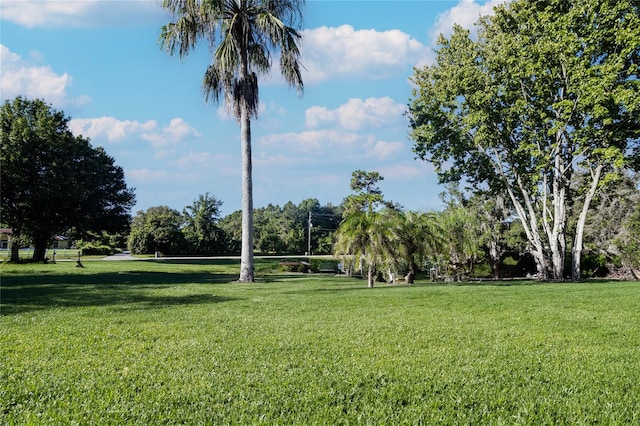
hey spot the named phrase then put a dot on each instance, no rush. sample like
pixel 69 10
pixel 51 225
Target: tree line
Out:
pixel 54 183
pixel 475 235
pixel 478 235
pixel 200 230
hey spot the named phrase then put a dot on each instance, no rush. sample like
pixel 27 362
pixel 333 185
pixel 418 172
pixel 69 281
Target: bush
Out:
pixel 481 270
pixel 293 266
pixel 317 264
pixel 96 250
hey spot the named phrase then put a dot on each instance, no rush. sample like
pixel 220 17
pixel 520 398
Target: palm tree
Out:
pixel 242 34
pixel 462 244
pixel 366 237
pixel 415 236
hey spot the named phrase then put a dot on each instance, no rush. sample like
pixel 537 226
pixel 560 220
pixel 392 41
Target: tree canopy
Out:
pixel 365 235
pixel 157 229
pixel 367 196
pixel 200 229
pixel 546 90
pixel 53 180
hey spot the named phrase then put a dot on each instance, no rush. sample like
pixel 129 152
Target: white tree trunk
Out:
pixel 529 220
pixel 246 257
pixel 494 257
pixel 576 251
pixel 556 234
pixel 528 217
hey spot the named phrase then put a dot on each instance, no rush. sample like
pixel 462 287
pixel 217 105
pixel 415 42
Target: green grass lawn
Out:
pixel 145 342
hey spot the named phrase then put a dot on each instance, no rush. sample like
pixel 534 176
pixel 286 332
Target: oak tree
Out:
pixel 53 180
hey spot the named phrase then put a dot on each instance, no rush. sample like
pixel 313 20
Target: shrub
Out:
pixel 90 249
pixel 293 266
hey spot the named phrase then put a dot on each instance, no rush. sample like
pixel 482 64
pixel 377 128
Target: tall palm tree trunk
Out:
pixel 246 256
pixel 241 35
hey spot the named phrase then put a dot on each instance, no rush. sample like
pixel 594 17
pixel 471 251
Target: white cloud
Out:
pixel 322 146
pixel 21 78
pixel 383 150
pixel 81 13
pixel 195 159
pixel 147 176
pixel 357 114
pixel 337 134
pixel 116 130
pixel 200 160
pixel 176 131
pixel 160 178
pixel 38 13
pixel 109 127
pixel 402 172
pixel 327 142
pixel 466 13
pixel 335 52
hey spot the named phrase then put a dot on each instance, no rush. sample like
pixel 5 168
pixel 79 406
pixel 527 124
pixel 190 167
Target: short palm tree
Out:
pixel 366 237
pixel 416 236
pixel 461 247
pixel 242 34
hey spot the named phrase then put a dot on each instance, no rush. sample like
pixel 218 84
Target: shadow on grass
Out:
pixel 128 290
pixel 196 261
pixel 480 283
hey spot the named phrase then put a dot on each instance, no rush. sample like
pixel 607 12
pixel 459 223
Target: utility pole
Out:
pixel 309 236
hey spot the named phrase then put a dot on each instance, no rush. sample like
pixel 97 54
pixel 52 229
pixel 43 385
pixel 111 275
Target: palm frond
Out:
pixel 242 35
pixel 182 35
pixel 214 83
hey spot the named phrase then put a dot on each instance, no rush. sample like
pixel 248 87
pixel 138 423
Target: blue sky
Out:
pixel 99 62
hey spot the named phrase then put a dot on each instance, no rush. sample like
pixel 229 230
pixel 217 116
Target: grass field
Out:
pixel 146 342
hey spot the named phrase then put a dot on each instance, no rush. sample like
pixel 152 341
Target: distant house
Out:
pixel 5 235
pixel 59 241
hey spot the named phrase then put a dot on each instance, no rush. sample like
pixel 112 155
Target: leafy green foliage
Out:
pixel 630 240
pixel 606 228
pixel 158 229
pixel 365 235
pixel 200 228
pixel 415 238
pixel 368 196
pixel 285 229
pixel 53 180
pixel 363 238
pixel 99 243
pixel 548 89
pixel 461 240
